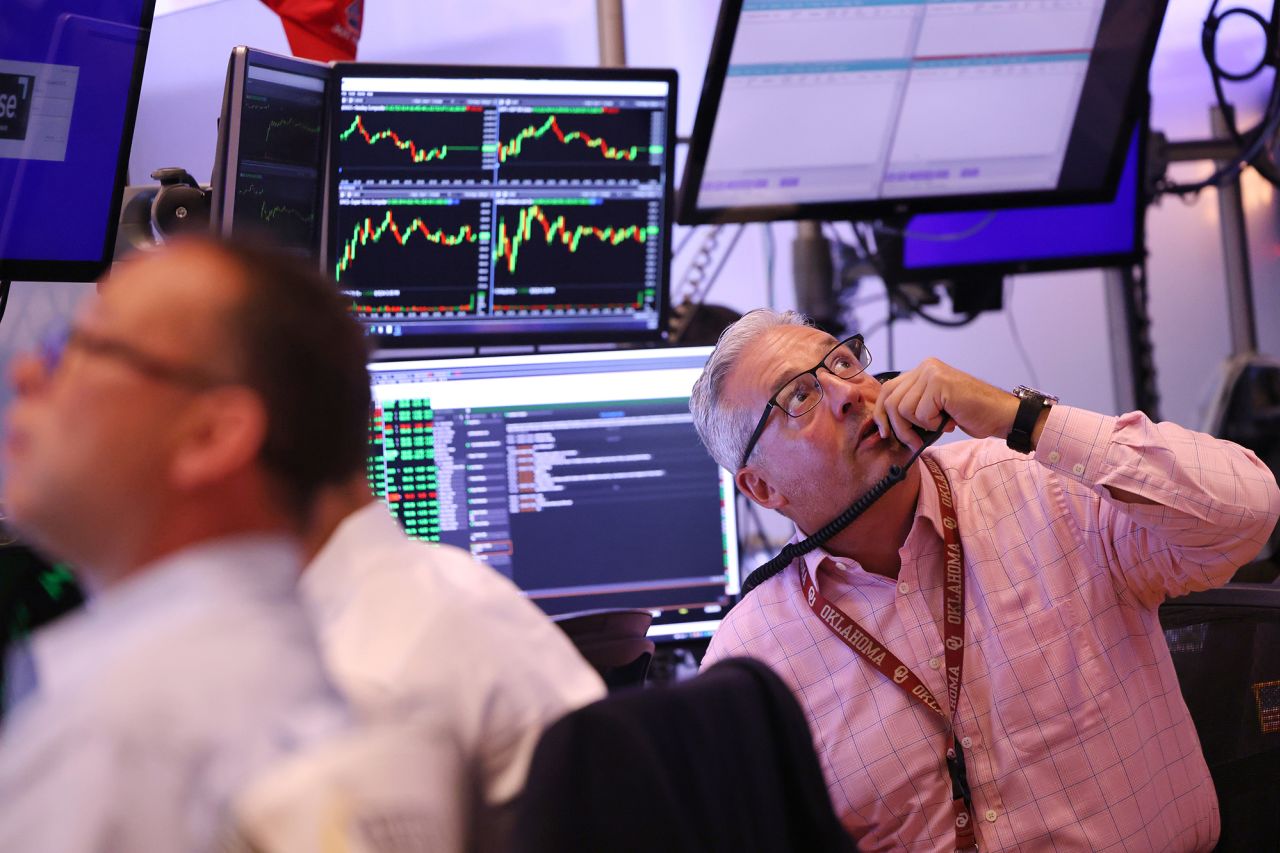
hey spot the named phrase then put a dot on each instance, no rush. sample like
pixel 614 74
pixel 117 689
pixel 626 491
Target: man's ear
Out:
pixel 224 433
pixel 753 484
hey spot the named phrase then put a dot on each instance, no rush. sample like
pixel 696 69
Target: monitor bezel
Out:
pixel 392 344
pixel 48 269
pixel 688 212
pixel 893 251
pixel 227 153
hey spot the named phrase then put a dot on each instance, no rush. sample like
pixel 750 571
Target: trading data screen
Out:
pixel 506 208
pixel 841 101
pixel 578 476
pixel 275 162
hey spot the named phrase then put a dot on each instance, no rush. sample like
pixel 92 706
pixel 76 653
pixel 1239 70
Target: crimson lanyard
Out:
pixel 875 653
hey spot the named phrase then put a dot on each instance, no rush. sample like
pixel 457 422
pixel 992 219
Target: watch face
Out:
pixel 1023 392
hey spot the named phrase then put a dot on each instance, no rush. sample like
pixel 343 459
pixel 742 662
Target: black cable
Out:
pixel 697 297
pixel 1237 163
pixel 888 335
pixel 897 473
pixel 724 258
pixel 1253 142
pixel 684 241
pixel 1209 39
pixel 963 320
pixel 867 251
pixel 1016 335
pixel 948 237
pixel 697 269
pixel 899 296
pixel 1264 164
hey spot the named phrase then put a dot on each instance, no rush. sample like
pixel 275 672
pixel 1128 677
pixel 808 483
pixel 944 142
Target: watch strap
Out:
pixel 1030 404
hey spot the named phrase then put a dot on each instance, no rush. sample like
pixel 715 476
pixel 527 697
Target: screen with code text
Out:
pixel 579 476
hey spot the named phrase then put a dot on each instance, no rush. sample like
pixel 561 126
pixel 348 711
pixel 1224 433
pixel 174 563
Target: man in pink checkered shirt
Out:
pixel 1074 731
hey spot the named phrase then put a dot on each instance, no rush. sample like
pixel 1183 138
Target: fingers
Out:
pixel 919 397
pixel 913 400
pixel 878 413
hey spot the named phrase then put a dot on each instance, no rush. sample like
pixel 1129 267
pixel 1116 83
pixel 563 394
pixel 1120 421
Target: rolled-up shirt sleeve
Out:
pixel 1213 503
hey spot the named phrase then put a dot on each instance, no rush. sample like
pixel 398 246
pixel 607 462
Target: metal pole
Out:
pixel 611 31
pixel 1235 256
pixel 1122 376
pixel 1132 358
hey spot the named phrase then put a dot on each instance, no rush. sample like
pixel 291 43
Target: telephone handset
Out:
pixel 897 473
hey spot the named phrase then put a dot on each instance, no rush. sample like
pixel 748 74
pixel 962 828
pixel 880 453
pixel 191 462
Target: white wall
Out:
pixel 1061 317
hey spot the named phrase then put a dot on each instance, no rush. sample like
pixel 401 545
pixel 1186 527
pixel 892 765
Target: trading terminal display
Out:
pixel 509 206
pixel 834 109
pixel 578 476
pixel 274 149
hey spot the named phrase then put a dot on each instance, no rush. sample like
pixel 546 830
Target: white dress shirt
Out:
pixel 159 700
pixel 425 631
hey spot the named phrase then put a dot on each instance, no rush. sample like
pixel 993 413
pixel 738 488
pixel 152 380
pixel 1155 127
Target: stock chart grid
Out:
pixel 501 206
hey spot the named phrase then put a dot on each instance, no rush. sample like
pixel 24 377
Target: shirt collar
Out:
pixel 346 554
pixel 72 648
pixel 928 519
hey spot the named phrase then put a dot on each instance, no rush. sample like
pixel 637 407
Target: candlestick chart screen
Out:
pixel 494 205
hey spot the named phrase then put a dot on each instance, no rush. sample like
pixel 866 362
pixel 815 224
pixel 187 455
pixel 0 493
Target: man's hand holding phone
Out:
pixel 917 398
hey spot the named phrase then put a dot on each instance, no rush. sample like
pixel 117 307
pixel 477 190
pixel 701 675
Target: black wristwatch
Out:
pixel 1030 404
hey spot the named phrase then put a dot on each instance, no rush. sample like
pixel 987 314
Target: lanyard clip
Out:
pixel 959 775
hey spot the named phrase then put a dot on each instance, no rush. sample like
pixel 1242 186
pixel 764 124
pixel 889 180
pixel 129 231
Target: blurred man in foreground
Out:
pixel 426 633
pixel 170 446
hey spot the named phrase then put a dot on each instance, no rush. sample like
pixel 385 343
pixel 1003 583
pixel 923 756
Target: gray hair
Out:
pixel 725 429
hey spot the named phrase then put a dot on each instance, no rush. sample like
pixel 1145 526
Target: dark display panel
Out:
pixel 1030 239
pixel 268 175
pixel 580 477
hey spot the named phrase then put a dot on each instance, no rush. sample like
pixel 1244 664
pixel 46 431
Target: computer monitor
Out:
pixel 70 73
pixel 579 476
pixel 937 246
pixel 860 109
pixel 496 205
pixel 268 177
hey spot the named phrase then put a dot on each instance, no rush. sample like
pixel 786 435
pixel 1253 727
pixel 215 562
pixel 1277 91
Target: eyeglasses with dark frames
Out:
pixel 55 345
pixel 802 392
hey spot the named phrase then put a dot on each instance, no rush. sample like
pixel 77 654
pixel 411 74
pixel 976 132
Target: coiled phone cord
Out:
pixel 897 473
